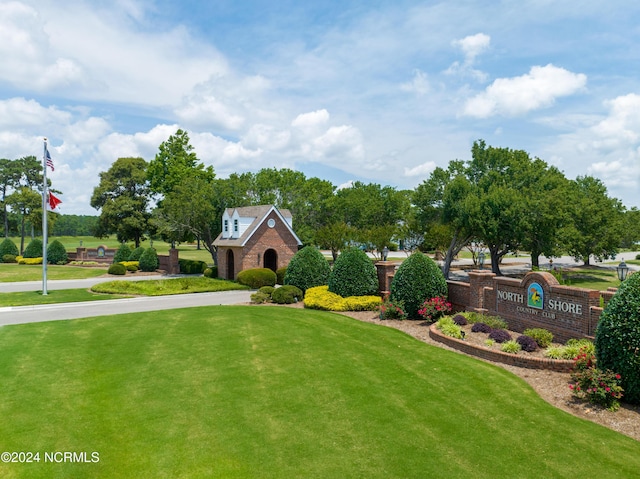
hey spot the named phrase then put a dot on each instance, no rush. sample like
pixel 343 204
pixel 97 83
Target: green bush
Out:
pixel 307 268
pixel 122 253
pixel 267 290
pixel 190 266
pixel 257 277
pixel 638 257
pixel 33 249
pixel 9 258
pixel 418 278
pixel 321 298
pixel 618 337
pixel 8 247
pixel 541 336
pixel 287 294
pixel 511 346
pixel 149 260
pixel 280 273
pixel 210 272
pixel 135 254
pixel 56 253
pixel 117 268
pixel 353 274
pixel 260 298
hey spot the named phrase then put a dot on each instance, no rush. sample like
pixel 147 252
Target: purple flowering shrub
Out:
pixel 480 328
pixel 527 343
pixel 500 335
pixel 460 320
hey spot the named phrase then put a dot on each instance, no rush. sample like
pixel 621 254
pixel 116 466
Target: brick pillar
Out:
pixel 81 253
pixel 478 280
pixel 174 266
pixel 386 270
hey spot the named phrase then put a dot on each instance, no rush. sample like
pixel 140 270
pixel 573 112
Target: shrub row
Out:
pixel 189 266
pixel 320 297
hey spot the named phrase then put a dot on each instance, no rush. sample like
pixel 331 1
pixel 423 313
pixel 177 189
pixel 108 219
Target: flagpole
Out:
pixel 44 219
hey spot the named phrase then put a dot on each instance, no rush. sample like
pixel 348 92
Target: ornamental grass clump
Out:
pixel 510 346
pixel 541 336
pixel 434 308
pixel 449 328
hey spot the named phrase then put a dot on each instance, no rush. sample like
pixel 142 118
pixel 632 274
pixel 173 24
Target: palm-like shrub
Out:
pixel 33 249
pixel 418 278
pixel 307 268
pixel 56 253
pixel 353 274
pixel 122 253
pixel 618 337
pixel 8 247
pixel 149 260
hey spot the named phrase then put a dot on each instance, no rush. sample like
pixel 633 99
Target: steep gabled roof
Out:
pixel 259 215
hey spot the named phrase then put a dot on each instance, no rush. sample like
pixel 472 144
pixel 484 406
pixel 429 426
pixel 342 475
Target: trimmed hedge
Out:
pixel 617 339
pixel 353 274
pixel 190 266
pixel 287 294
pixel 8 247
pixel 307 268
pixel 9 258
pixel 211 272
pixel 321 298
pixel 33 249
pixel 122 253
pixel 280 273
pixel 418 278
pixel 149 260
pixel 257 277
pixel 56 253
pixel 118 269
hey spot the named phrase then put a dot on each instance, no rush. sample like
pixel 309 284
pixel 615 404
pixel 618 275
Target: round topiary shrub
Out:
pixel 122 253
pixel 618 337
pixel 418 278
pixel 287 294
pixel 136 253
pixel 9 258
pixel 117 268
pixel 149 260
pixel 257 277
pixel 267 290
pixel 56 253
pixel 353 274
pixel 8 247
pixel 33 249
pixel 210 273
pixel 307 268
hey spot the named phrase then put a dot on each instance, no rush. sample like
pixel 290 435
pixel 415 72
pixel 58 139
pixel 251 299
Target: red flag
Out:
pixel 53 201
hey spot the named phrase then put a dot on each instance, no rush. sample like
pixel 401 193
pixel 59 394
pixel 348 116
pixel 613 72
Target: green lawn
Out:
pixel 29 298
pixel 592 278
pixel 267 392
pixel 160 287
pixel 13 272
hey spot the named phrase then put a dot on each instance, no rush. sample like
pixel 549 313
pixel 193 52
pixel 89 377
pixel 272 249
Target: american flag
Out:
pixel 48 159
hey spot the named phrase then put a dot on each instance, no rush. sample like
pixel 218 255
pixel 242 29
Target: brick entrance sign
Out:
pixel 536 301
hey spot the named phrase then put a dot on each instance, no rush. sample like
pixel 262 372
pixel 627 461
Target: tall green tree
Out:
pixel 10 174
pixel 598 221
pixel 25 202
pixel 123 197
pixel 175 161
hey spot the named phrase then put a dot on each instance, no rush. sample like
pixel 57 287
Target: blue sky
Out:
pixel 373 90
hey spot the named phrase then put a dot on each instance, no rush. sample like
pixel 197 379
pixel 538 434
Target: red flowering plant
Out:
pixel 434 308
pixel 392 310
pixel 594 385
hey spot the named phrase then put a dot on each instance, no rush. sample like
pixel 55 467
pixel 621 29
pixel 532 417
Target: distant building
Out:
pixel 255 237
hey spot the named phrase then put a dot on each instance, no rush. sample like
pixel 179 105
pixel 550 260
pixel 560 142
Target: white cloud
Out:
pixel 473 45
pixel 516 96
pixel 423 170
pixel 418 85
pixel 311 120
pixel 211 112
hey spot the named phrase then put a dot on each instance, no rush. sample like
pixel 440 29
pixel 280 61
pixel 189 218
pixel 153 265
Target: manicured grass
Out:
pixel 161 287
pixel 592 278
pixel 239 391
pixel 29 298
pixel 13 272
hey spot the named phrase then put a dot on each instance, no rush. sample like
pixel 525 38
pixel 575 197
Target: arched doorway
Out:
pixel 230 265
pixel 271 259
